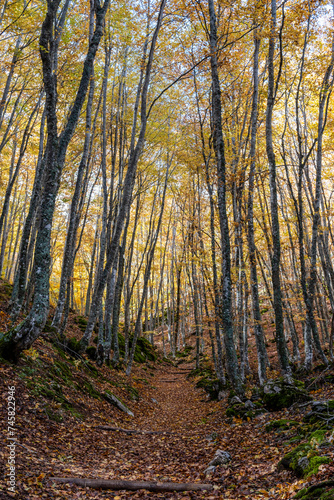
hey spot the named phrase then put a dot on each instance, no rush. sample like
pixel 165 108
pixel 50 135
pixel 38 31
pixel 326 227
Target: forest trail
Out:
pixel 180 451
pixel 189 430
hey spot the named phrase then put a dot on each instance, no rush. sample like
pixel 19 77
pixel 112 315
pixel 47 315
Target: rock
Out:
pixel 211 385
pixel 210 470
pixel 249 405
pixel 246 410
pixel 319 406
pixel 303 463
pixel 221 457
pixel 282 393
pixel 222 395
pixel 235 400
pixel 117 402
pixel 321 412
pixel 305 459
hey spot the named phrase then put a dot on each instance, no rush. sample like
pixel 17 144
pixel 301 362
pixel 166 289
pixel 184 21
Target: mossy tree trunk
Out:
pixel 22 337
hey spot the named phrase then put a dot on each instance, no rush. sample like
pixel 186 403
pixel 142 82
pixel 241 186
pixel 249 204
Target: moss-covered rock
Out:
pixel 48 328
pixel 144 349
pixel 281 425
pixel 306 458
pixel 322 413
pixel 211 385
pixel 322 492
pixel 186 351
pixel 247 410
pixel 282 393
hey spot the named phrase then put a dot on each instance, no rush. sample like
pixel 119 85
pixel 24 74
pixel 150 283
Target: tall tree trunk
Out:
pixel 257 319
pixel 275 229
pixel 226 311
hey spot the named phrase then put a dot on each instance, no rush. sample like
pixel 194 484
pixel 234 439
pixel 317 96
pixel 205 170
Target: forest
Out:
pixel 167 208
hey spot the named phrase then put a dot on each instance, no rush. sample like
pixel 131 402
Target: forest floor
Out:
pixel 59 406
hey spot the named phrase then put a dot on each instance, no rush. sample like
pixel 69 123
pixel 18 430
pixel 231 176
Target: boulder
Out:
pixel 305 459
pixel 283 393
pixel 281 425
pixel 249 405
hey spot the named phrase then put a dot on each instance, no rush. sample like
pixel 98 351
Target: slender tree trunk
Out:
pixel 275 229
pixel 226 312
pixel 257 319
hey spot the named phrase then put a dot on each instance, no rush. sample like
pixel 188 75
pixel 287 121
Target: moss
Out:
pixel 316 494
pixel 331 404
pixel 133 392
pixel 321 417
pixel 186 351
pixel 91 370
pixel 317 437
pixel 328 495
pixel 146 348
pixel 211 385
pixel 291 460
pixel 281 425
pixel 242 411
pixel 75 413
pixel 61 370
pixel 139 356
pixel 294 439
pixel 81 321
pixel 86 387
pixel 48 328
pixel 59 349
pixel 73 346
pixel 315 463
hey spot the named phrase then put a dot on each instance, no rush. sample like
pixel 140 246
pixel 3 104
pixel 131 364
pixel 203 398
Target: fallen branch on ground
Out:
pixel 104 484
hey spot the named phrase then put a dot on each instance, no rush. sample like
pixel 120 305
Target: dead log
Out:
pixel 105 484
pixel 115 401
pixel 130 431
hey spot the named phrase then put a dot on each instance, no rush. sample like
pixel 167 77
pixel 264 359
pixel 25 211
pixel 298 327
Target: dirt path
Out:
pixel 180 452
pixel 190 430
